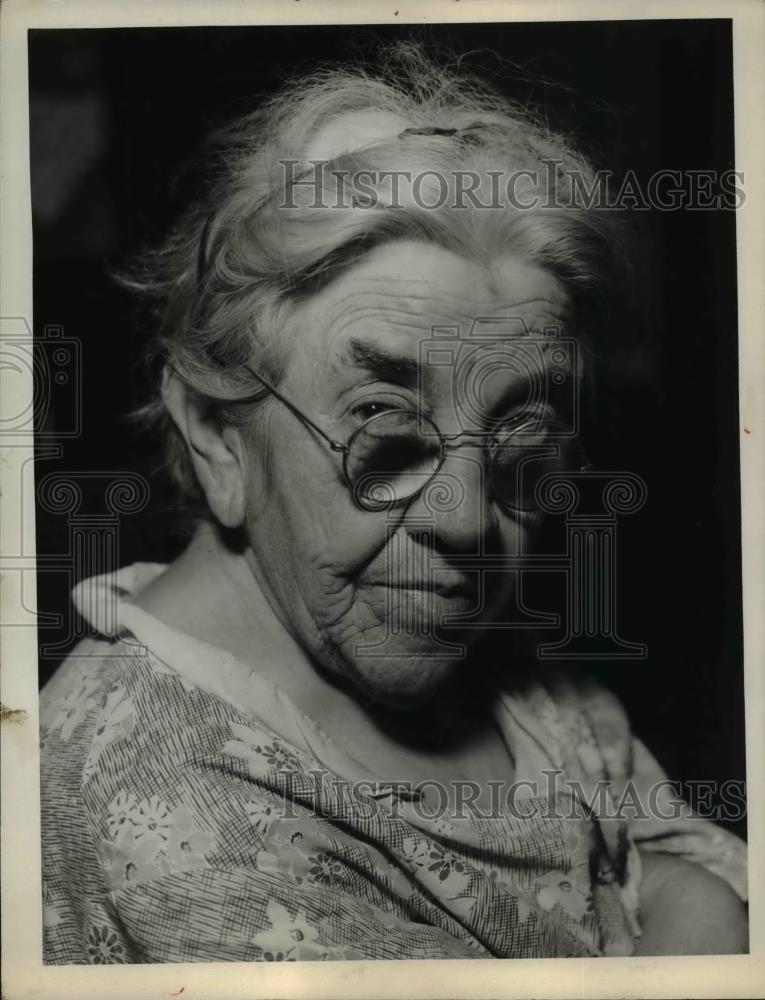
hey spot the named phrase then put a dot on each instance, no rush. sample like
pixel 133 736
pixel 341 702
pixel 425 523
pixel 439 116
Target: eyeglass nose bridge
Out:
pixel 489 442
pixel 484 438
pixel 452 442
pixel 446 442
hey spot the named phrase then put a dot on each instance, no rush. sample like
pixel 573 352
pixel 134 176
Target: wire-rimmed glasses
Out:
pixel 392 456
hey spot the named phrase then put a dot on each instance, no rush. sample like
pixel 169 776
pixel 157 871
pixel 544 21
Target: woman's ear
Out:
pixel 216 452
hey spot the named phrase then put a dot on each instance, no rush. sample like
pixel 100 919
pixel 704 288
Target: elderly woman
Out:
pixel 292 743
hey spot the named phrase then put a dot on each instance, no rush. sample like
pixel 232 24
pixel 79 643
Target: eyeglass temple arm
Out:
pixel 334 445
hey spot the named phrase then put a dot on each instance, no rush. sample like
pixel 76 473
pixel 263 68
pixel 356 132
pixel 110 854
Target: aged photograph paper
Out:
pixel 382 578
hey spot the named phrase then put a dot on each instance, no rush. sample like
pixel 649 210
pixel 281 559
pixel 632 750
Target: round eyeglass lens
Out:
pixel 392 457
pixel 522 457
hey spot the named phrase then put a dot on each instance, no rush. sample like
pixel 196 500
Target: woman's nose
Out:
pixel 457 502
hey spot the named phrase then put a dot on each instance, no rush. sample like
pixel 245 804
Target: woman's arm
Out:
pixel 686 910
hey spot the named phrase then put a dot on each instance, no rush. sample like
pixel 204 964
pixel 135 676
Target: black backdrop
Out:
pixel 114 116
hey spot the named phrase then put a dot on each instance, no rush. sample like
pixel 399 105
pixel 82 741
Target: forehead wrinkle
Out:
pixel 443 308
pixel 399 342
pixel 529 305
pixel 408 301
pixel 403 320
pixel 416 290
pixel 402 312
pixel 473 351
pixel 405 328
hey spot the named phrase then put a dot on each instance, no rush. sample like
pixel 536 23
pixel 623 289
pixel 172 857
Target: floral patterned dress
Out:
pixel 190 812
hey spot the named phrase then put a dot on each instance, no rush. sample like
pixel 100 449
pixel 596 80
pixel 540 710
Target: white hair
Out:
pixel 226 277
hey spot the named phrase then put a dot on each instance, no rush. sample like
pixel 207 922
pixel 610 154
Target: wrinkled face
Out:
pixel 378 595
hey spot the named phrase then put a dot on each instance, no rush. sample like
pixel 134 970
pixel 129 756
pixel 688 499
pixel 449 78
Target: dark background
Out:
pixel 115 116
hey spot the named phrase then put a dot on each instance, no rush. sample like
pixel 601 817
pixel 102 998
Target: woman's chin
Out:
pixel 407 677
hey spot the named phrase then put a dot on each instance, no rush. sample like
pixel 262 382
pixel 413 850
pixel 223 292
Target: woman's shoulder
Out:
pixel 582 717
pixel 111 695
pixel 119 721
pixel 578 691
pixel 71 696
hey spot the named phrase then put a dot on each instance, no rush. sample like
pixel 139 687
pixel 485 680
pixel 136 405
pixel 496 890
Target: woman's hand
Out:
pixel 686 910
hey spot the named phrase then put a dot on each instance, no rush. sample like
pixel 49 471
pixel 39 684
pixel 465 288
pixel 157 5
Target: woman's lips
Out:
pixel 453 589
pixel 443 589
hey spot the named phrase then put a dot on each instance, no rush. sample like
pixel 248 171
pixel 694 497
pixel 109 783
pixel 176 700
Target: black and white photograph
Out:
pixel 384 418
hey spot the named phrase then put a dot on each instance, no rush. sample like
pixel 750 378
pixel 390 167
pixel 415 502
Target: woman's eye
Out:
pixel 525 417
pixel 373 408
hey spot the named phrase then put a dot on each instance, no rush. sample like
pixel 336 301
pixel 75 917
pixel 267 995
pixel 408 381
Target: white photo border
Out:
pixel 24 975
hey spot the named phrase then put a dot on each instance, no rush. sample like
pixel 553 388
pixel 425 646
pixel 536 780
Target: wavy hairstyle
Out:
pixel 222 284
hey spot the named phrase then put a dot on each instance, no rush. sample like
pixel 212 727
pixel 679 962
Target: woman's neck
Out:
pixel 211 593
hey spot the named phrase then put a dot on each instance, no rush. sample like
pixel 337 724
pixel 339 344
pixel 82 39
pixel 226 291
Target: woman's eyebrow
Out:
pixel 385 364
